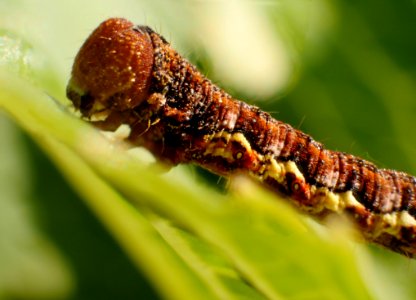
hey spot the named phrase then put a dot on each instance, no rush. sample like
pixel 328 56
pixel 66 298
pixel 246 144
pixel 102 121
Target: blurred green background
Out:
pixel 342 71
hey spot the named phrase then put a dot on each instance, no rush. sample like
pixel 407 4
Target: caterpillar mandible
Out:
pixel 127 74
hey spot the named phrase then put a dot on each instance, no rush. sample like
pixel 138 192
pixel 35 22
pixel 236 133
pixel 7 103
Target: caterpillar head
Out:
pixel 112 70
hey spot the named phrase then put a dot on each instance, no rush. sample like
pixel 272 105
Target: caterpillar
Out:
pixel 127 74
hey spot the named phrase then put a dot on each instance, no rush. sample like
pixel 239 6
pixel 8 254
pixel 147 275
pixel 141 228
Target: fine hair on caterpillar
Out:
pixel 127 74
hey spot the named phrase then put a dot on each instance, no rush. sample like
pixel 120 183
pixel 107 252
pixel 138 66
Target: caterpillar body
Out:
pixel 127 74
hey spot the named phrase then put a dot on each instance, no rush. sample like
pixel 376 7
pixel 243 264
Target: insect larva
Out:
pixel 126 74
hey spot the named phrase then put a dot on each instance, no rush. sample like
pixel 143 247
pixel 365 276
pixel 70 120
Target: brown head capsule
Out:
pixel 112 70
pixel 130 75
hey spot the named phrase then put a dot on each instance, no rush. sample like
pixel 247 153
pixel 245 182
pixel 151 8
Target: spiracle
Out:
pixel 127 74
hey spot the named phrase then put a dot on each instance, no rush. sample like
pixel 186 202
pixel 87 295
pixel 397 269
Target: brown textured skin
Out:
pixel 174 111
pixel 118 77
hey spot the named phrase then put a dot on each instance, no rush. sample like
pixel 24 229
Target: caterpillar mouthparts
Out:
pixel 126 74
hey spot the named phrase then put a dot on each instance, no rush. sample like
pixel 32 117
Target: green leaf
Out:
pixel 26 256
pixel 267 243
